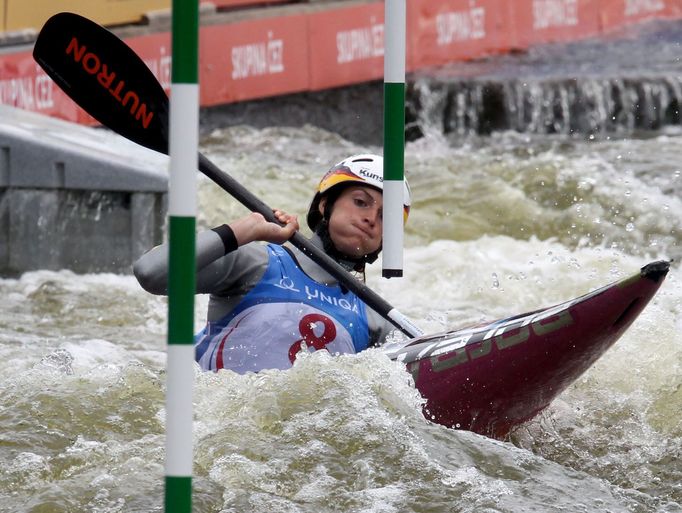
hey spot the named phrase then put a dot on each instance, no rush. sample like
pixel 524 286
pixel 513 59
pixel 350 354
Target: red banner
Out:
pixel 346 45
pixel 23 84
pixel 339 46
pixel 253 59
pixel 443 31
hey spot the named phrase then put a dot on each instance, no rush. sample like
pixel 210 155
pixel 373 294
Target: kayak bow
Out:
pixel 493 377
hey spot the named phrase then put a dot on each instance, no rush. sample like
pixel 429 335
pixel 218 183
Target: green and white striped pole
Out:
pixel 183 151
pixel 394 136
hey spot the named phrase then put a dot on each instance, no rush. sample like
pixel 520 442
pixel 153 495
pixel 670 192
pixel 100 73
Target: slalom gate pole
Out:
pixel 183 151
pixel 394 136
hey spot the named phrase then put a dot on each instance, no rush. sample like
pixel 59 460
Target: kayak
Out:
pixel 493 377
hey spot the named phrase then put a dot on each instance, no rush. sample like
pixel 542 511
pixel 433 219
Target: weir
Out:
pixel 629 83
pixel 583 105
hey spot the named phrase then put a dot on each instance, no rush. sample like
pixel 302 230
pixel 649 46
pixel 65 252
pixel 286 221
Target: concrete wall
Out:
pixel 73 197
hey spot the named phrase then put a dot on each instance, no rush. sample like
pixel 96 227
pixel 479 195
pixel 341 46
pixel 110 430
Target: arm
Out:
pixel 151 269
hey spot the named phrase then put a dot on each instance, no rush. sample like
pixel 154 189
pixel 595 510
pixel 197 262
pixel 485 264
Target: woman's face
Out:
pixel 355 225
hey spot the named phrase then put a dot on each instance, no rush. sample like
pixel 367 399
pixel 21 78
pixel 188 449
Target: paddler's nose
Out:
pixel 373 216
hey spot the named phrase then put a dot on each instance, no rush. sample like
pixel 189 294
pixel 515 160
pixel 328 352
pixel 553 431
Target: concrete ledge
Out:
pixel 40 151
pixel 73 197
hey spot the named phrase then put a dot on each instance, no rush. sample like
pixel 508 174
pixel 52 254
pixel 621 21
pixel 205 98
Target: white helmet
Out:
pixel 365 169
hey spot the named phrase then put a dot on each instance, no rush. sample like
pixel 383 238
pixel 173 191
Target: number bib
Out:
pixel 285 313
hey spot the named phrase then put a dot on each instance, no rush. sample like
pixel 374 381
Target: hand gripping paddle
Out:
pixel 108 80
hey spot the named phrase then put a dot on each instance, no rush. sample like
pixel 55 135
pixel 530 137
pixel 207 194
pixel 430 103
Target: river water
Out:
pixel 499 225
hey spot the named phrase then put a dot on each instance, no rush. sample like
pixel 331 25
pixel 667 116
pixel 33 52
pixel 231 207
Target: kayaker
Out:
pixel 268 301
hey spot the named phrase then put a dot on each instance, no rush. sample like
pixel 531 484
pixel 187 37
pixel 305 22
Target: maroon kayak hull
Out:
pixel 491 378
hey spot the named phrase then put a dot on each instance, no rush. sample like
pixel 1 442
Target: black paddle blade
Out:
pixel 105 77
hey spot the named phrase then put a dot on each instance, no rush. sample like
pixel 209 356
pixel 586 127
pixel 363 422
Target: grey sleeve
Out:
pixel 216 271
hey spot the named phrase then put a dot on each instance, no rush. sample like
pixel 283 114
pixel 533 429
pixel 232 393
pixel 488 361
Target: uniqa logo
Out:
pixel 93 65
pixel 332 300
